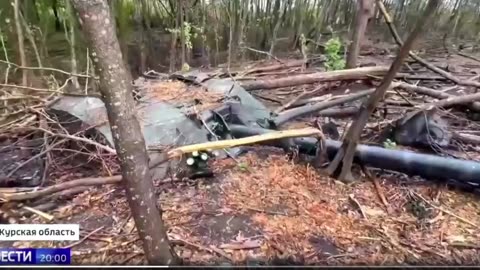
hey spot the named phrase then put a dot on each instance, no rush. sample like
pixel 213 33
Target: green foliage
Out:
pixel 187 28
pixel 187 32
pixel 243 166
pixel 210 21
pixel 185 67
pixel 335 60
pixel 199 31
pixel 420 209
pixel 389 144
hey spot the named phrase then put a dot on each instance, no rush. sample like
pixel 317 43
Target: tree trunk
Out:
pixel 346 153
pixel 182 30
pixel 174 38
pixel 364 12
pixel 276 23
pixel 21 44
pixel 73 43
pixel 139 18
pixel 217 38
pixel 116 88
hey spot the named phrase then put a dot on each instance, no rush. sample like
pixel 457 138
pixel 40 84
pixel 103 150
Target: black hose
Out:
pixel 427 166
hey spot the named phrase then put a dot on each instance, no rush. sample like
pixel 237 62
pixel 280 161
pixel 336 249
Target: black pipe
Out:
pixel 427 166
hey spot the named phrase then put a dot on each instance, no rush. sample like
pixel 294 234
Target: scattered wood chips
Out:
pixel 265 208
pixel 177 92
pixel 308 216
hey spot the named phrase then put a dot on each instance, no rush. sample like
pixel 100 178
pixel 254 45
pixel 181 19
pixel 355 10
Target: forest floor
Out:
pixel 266 208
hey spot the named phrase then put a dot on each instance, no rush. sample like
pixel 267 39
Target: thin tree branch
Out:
pixel 47 69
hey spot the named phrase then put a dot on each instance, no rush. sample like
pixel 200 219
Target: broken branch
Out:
pixel 59 187
pixel 244 141
pixel 305 110
pixel 434 93
pixel 297 98
pixel 451 101
pixel 46 69
pixel 85 140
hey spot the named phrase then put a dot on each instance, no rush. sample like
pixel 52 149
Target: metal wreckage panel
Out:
pixel 164 124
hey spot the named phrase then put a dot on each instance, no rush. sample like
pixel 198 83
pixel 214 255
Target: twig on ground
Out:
pixel 13 122
pixel 128 258
pixel 120 228
pixel 47 149
pixel 297 98
pixel 16 189
pixel 378 188
pixel 445 211
pixel 85 238
pixel 468 56
pixel 465 245
pixel 81 139
pixel 64 194
pixel 396 244
pixel 59 187
pixel 360 207
pixel 266 211
pixel 40 207
pixel 39 213
pixel 108 248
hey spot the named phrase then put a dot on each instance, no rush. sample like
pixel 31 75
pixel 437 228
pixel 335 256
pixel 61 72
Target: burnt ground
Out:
pixel 265 208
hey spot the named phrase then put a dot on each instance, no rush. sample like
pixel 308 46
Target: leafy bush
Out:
pixel 335 60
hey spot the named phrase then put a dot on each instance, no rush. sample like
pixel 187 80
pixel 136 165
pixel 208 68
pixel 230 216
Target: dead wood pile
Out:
pixel 290 211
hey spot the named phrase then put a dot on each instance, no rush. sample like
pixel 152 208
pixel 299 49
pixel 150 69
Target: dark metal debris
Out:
pixel 243 115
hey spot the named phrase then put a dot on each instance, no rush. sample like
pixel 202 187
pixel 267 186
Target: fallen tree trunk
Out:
pixel 467 138
pixel 345 74
pixel 305 110
pixel 452 101
pixel 338 112
pixel 435 93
